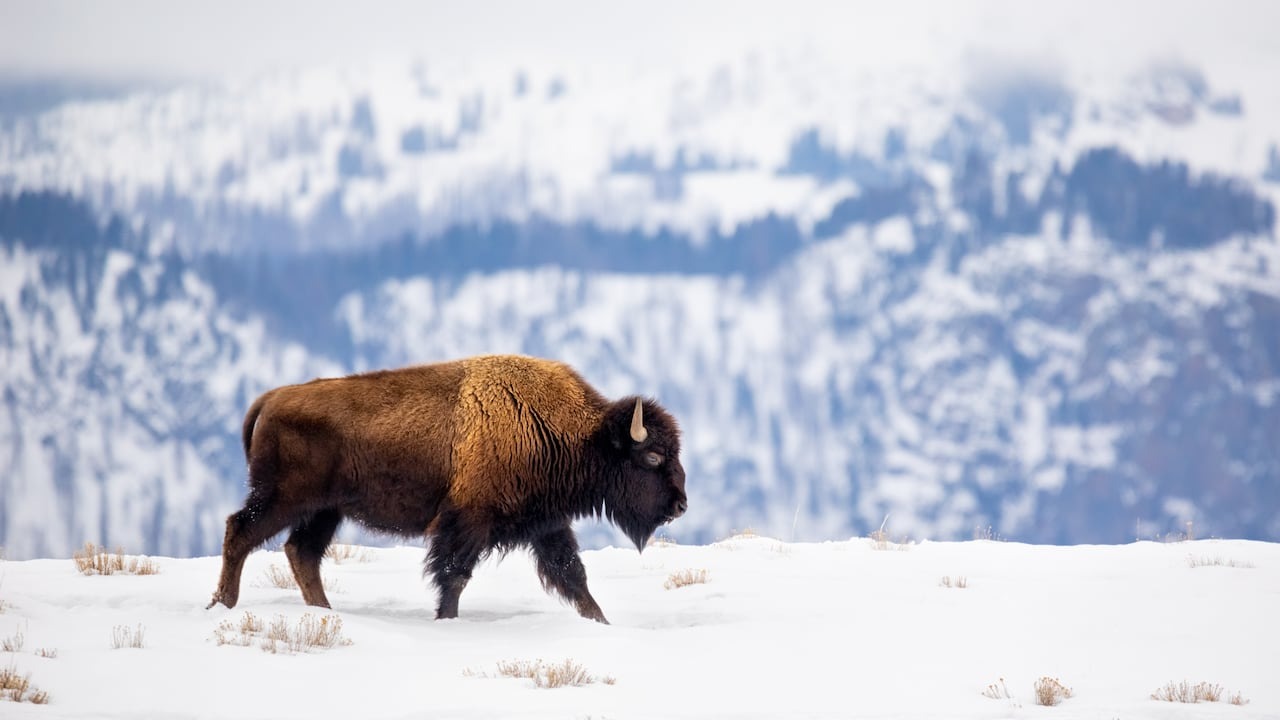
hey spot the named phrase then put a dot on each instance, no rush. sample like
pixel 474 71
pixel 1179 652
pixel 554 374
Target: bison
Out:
pixel 484 454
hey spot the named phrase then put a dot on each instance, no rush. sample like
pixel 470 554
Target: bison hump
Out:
pixel 519 423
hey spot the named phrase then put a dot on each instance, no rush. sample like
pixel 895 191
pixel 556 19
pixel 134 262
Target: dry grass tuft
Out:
pixel 546 675
pixel 685 577
pixel 50 653
pixel 961 582
pixel 94 560
pixel 310 633
pixel 1215 561
pixel 661 541
pixel 1185 692
pixel 1174 537
pixel 880 540
pixel 340 553
pixel 986 533
pixel 13 643
pixel 122 636
pixel 1050 691
pixel 18 688
pixel 997 691
pixel 242 633
pixel 278 576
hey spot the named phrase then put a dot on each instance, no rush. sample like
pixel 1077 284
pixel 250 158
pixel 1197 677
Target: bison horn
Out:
pixel 638 433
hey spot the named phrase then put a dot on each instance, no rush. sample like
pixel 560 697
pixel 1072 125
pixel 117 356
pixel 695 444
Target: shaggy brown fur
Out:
pixel 491 452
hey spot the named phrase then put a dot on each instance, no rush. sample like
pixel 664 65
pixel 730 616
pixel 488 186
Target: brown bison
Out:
pixel 483 454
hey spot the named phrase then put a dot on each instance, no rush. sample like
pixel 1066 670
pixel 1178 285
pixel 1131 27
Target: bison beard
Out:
pixel 483 454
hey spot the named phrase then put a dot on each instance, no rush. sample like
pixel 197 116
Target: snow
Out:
pixel 832 629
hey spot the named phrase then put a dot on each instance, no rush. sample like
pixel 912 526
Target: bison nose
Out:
pixel 681 506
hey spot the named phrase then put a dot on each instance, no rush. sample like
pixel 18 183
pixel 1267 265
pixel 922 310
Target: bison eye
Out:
pixel 652 459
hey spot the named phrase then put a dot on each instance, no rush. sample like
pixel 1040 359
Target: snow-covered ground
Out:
pixel 837 629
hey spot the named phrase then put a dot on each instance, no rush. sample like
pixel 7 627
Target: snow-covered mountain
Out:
pixel 1030 301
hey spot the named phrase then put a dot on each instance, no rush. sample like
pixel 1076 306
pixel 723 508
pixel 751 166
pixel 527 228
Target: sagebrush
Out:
pixel 685 577
pixel 18 688
pixel 880 539
pixel 277 576
pixel 341 553
pixel 94 560
pixel 13 643
pixel 123 636
pixel 997 691
pixel 1196 561
pixel 1186 692
pixel 546 675
pixel 1050 691
pixel 309 633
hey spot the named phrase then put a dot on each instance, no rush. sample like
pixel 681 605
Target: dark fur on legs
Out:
pixel 246 530
pixel 456 546
pixel 305 549
pixel 560 568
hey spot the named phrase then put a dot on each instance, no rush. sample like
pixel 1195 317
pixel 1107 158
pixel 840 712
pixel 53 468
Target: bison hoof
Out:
pixel 218 598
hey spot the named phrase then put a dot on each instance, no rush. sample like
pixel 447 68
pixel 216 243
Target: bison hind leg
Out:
pixel 560 568
pixel 305 549
pixel 246 530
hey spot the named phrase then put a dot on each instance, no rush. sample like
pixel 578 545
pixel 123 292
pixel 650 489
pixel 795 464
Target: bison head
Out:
pixel 642 443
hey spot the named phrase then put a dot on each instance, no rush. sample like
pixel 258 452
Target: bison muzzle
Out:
pixel 484 454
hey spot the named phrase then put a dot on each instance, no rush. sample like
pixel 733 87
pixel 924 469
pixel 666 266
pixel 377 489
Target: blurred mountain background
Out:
pixel 958 269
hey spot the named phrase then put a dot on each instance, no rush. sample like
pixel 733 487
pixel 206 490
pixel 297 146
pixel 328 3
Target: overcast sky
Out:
pixel 168 39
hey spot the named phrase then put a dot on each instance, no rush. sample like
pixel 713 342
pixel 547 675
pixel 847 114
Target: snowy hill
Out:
pixel 837 629
pixel 1032 301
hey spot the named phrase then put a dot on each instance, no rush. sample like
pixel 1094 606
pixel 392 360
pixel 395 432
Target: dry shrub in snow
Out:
pixel 880 539
pixel 122 636
pixel 241 633
pixel 1216 561
pixel 310 633
pixel 94 560
pixel 1185 692
pixel 50 653
pixel 997 691
pixel 13 643
pixel 278 577
pixel 546 675
pixel 986 533
pixel 18 688
pixel 685 577
pixel 1050 691
pixel 340 553
pixel 960 582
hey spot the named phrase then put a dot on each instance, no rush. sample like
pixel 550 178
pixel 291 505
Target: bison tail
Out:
pixel 251 419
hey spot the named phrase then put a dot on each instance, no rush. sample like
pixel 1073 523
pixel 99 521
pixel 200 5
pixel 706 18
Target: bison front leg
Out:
pixel 560 568
pixel 455 549
pixel 246 530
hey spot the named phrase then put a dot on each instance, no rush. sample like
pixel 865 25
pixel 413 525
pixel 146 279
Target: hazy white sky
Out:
pixel 168 39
